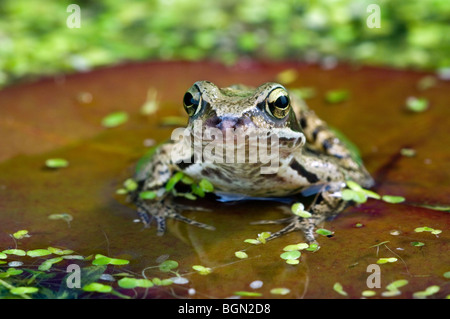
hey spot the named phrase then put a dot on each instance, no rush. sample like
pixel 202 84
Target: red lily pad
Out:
pixel 62 118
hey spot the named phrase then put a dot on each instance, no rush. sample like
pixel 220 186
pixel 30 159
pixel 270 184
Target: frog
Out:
pixel 312 158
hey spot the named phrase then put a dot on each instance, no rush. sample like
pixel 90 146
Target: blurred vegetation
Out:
pixel 35 40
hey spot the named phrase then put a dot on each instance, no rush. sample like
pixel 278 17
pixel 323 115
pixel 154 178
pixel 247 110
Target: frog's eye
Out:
pixel 192 102
pixel 277 103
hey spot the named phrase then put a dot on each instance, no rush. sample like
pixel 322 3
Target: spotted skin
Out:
pixel 310 156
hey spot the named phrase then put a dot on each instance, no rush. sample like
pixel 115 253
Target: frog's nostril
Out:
pixel 213 121
pixel 227 122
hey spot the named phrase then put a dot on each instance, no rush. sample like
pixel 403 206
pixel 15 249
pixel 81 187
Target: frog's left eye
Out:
pixel 277 103
pixel 192 101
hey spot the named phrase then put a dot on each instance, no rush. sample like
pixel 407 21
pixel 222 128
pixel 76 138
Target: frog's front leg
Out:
pixel 152 176
pixel 327 203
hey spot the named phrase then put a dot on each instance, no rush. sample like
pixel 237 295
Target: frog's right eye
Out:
pixel 192 102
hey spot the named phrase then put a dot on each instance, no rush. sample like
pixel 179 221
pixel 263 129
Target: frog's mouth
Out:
pixel 239 134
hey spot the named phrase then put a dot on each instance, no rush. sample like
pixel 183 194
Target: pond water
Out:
pixel 61 118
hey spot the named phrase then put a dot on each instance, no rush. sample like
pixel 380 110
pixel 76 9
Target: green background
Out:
pixel 35 39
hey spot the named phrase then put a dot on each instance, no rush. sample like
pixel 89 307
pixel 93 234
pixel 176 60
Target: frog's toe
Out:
pixel 189 221
pixel 295 223
pixel 159 212
pixel 270 222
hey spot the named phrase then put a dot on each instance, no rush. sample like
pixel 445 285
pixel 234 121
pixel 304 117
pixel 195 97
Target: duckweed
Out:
pixel 397 284
pixel 417 244
pixel 415 104
pixel 299 210
pixel 337 96
pixel 241 254
pixel 339 289
pixel 97 287
pixel 101 260
pixel 56 163
pixel 168 265
pixel 428 229
pixel 202 270
pixel 147 195
pixel 17 252
pixel 324 232
pixel 393 199
pixel 115 119
pixel 429 291
pixel 247 294
pixel 294 254
pixel 38 252
pixel 46 265
pixel 386 260
pixel 368 293
pixel 130 283
pixel 206 185
pixel 23 290
pixel 280 291
pixel 20 234
pixel 299 246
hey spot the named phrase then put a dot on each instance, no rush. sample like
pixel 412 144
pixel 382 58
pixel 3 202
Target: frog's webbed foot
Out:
pixel 327 204
pixel 295 223
pixel 160 211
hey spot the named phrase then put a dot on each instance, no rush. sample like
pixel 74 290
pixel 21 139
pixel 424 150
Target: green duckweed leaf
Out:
pixel 21 234
pixel 299 246
pixel 46 265
pixel 104 260
pixel 337 96
pixel 386 260
pixel 174 180
pixel 324 232
pixel 23 290
pixel 368 293
pixel 130 185
pixel 130 283
pixel 417 244
pixel 147 195
pixel 58 251
pixel 202 270
pixel 263 236
pixel 64 216
pixel 206 185
pixel 168 265
pixel 17 252
pixel 280 291
pixel 397 284
pixel 241 254
pixel 299 210
pixel 408 152
pixel 415 104
pixel 339 289
pixel 313 247
pixel 14 271
pixel 38 252
pixel 97 287
pixel 56 163
pixel 294 254
pixel 115 119
pixel 247 294
pixel 252 241
pixel 431 290
pixel 393 199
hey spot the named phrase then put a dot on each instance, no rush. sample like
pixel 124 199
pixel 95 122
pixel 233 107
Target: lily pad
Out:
pixel 33 130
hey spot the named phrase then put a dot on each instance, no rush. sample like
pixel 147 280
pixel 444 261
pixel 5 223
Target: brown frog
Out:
pixel 306 156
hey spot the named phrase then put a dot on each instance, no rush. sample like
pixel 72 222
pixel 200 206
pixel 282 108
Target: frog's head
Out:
pixel 266 109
